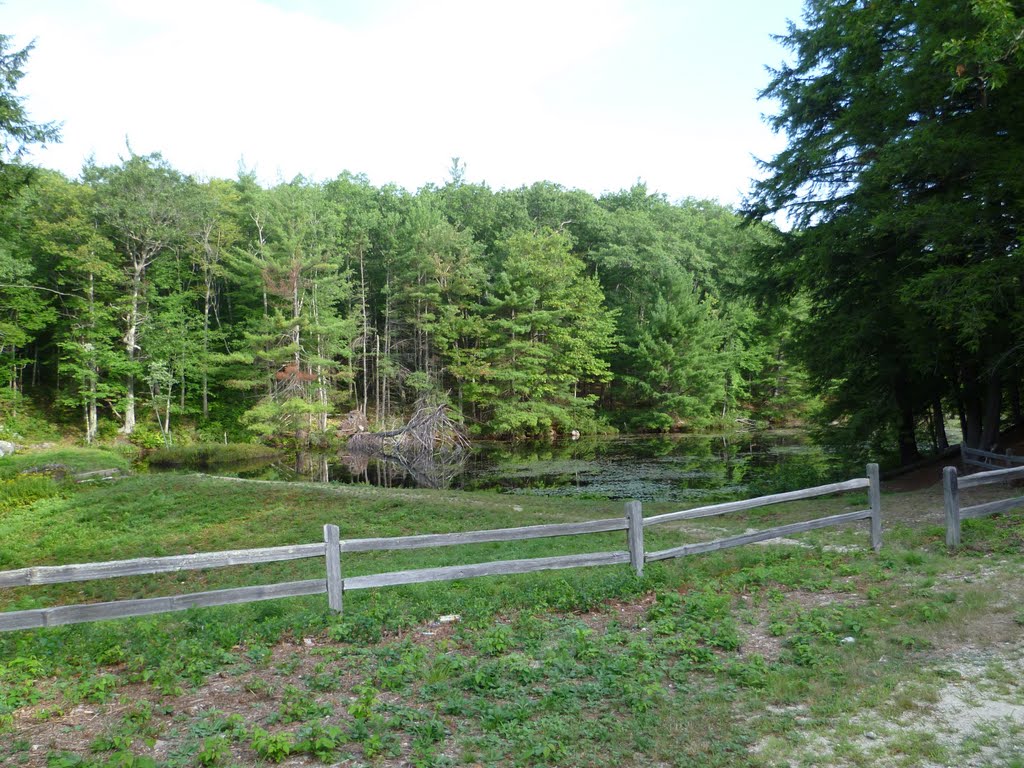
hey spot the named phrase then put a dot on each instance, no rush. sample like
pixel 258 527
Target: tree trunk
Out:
pixel 90 416
pixel 906 437
pixel 321 375
pixel 131 345
pixel 962 413
pixel 204 374
pixel 91 365
pixel 1015 410
pixel 365 330
pixel 941 440
pixel 992 411
pixel 973 409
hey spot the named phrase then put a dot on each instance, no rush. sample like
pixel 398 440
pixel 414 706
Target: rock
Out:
pixel 7 448
pixel 848 641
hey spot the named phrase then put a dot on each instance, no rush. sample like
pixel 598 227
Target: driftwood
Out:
pixel 429 431
pixel 431 448
pixel 353 423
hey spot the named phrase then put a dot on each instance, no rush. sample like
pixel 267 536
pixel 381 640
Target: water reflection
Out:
pixel 664 467
pixel 419 471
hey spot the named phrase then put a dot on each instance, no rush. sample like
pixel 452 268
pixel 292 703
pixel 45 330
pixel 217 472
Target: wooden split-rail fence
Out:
pixel 952 484
pixel 987 459
pixel 333 547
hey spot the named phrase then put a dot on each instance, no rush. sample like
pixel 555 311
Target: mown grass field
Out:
pixel 817 652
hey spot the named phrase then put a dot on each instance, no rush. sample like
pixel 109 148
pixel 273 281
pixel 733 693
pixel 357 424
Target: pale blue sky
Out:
pixel 593 94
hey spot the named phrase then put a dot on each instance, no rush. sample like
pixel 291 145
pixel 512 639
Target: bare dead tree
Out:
pixel 430 433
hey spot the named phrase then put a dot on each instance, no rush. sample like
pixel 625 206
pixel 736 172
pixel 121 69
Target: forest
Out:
pixel 138 300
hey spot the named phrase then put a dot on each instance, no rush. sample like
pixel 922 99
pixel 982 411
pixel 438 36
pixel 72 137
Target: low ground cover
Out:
pixel 810 652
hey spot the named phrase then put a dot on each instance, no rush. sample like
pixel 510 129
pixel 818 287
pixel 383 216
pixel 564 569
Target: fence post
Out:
pixel 963 456
pixel 875 497
pixel 635 535
pixel 951 493
pixel 335 584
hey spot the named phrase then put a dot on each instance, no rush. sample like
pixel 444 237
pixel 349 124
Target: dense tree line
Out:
pixel 903 180
pixel 138 295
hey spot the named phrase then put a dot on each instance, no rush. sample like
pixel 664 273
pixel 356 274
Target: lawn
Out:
pixel 808 652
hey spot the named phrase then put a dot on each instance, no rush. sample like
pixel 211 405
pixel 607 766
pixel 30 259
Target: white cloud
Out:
pixel 583 92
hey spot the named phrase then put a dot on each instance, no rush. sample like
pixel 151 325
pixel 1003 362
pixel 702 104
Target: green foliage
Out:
pixel 213 751
pixel 224 307
pixel 299 706
pixel 25 489
pixel 582 666
pixel 62 460
pixel 274 747
pixel 905 250
pixel 538 340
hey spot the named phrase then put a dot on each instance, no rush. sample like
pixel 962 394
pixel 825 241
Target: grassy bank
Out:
pixel 811 653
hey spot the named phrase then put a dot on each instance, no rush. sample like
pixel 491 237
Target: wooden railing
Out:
pixel 76 614
pixel 987 459
pixel 952 484
pixel 333 547
pixel 873 513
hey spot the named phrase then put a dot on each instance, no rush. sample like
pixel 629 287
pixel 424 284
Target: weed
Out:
pixel 930 613
pixel 111 742
pixel 363 705
pixel 96 688
pixel 299 706
pixel 323 682
pixel 429 731
pixel 321 741
pixel 214 750
pixel 496 640
pixel 259 687
pixel 140 713
pixel 751 673
pixel 274 747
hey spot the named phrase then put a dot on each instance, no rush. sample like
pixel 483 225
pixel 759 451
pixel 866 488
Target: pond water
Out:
pixel 647 468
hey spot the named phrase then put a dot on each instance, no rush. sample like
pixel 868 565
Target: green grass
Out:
pixel 734 658
pixel 62 461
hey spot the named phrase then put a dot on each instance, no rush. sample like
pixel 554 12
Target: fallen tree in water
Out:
pixel 429 431
pixel 431 446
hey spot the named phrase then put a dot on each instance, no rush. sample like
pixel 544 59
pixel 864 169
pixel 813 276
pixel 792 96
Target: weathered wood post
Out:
pixel 951 494
pixel 875 497
pixel 635 535
pixel 335 585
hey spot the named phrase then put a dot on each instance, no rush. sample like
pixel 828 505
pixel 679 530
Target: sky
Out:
pixel 589 94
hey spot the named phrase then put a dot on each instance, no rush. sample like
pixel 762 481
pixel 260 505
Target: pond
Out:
pixel 647 468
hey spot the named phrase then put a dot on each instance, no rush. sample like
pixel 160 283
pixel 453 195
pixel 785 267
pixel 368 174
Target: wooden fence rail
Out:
pixel 333 547
pixel 952 484
pixel 986 459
